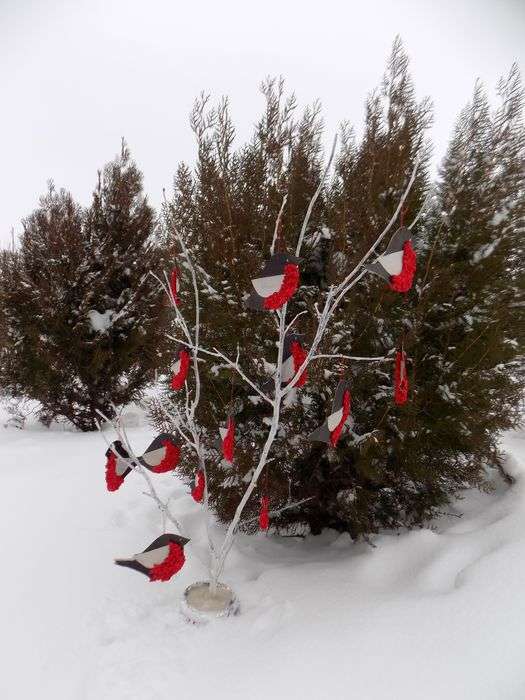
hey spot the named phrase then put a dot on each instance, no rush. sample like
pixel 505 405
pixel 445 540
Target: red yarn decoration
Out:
pixel 167 568
pixel 174 285
pixel 400 379
pixel 228 444
pixel 113 480
pixel 287 290
pixel 403 281
pixel 197 491
pixel 336 432
pixel 170 460
pixel 264 513
pixel 177 381
pixel 299 356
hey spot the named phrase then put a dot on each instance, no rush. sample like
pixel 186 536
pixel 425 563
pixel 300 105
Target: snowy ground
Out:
pixel 430 614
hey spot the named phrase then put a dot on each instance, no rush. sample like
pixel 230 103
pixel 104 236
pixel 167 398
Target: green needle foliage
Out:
pixel 83 322
pixel 461 325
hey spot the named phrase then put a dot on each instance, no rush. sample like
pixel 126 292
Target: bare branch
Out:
pixel 423 207
pixel 277 511
pixel 294 319
pixel 134 464
pixel 316 194
pixel 236 367
pixel 354 358
pixel 387 228
pixel 278 224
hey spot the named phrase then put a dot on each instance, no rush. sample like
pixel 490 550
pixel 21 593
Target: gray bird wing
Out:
pixel 398 239
pixel 395 246
pixel 255 302
pixel 378 269
pixel 321 434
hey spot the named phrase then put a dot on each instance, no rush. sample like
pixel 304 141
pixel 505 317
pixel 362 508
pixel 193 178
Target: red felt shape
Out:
pixel 299 356
pixel 264 513
pixel 113 480
pixel 287 289
pixel 177 381
pixel 197 491
pixel 403 281
pixel 336 432
pixel 400 379
pixel 170 459
pixel 169 567
pixel 228 444
pixel 174 285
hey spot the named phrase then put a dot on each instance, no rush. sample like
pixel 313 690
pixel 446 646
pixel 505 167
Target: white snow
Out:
pixel 101 322
pixel 429 614
pixel 485 251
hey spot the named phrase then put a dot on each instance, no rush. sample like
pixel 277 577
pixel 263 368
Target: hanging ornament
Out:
pixel 174 286
pixel 330 431
pixel 161 560
pixel 264 513
pixel 397 265
pixel 293 357
pixel 277 283
pixel 197 491
pixel 180 368
pixel 117 465
pixel 227 434
pixel 400 378
pixel 162 455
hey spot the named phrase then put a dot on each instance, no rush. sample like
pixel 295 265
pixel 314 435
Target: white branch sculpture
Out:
pixel 186 424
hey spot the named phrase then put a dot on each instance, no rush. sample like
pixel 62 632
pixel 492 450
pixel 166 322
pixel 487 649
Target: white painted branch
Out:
pixel 387 228
pixel 277 224
pixel 180 318
pixel 316 194
pixel 354 358
pixel 278 511
pixel 134 464
pixel 230 363
pixel 177 422
pixel 423 207
pixel 228 540
pixel 294 319
pixel 236 367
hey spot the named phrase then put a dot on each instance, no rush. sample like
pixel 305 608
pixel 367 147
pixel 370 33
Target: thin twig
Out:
pixel 278 224
pixel 317 192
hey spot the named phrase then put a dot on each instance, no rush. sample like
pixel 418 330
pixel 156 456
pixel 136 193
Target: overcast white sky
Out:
pixel 79 74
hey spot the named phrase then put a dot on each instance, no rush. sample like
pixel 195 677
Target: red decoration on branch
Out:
pixel 403 281
pixel 170 459
pixel 264 513
pixel 174 285
pixel 197 491
pixel 167 568
pixel 336 432
pixel 287 290
pixel 113 480
pixel 299 356
pixel 400 379
pixel 228 442
pixel 178 379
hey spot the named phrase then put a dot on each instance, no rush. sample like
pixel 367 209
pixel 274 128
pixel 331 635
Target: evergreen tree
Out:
pixel 85 321
pixel 461 325
pixel 470 326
